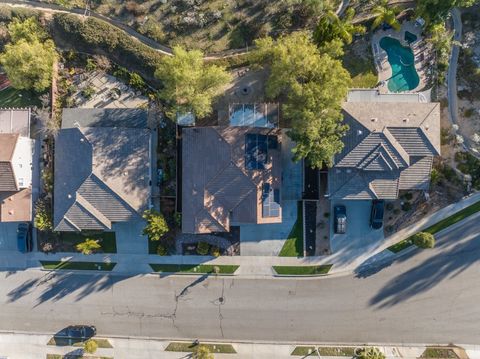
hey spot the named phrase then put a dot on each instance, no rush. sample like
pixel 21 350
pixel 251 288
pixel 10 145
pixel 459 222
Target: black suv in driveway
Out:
pixel 376 217
pixel 340 219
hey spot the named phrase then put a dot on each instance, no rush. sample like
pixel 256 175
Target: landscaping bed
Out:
pixel 324 351
pixel 53 242
pixel 194 268
pixel 66 265
pixel 189 347
pixel 439 353
pixel 303 270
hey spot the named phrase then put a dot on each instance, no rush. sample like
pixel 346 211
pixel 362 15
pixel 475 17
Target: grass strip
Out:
pixel 303 270
pixel 74 356
pixel 337 351
pixel 437 227
pixel 304 351
pixel 101 343
pixel 293 246
pixel 193 268
pixel 66 265
pixel 436 353
pixel 189 347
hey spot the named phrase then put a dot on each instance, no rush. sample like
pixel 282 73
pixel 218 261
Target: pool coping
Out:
pixel 384 70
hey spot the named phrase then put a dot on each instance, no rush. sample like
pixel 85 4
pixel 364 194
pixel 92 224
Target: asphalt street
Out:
pixel 429 296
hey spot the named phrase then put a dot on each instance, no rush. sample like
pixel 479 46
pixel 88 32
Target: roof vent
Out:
pixel 82 140
pixel 125 173
pixel 405 120
pixel 359 132
pixel 374 119
pixel 11 212
pixel 427 127
pixel 69 195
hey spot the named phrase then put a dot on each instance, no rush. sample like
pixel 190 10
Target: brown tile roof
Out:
pixel 216 186
pixel 16 206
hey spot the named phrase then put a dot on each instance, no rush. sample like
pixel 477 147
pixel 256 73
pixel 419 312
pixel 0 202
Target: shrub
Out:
pixel 88 92
pixel 408 196
pixel 202 352
pixel 90 346
pixel 88 246
pixel 424 240
pixel 370 353
pixel 156 226
pixel 202 248
pixel 406 206
pixel 215 251
pixel 162 250
pixel 178 219
pixel 43 216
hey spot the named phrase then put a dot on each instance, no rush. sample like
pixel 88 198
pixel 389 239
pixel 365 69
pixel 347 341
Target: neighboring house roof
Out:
pixel 15 202
pixel 102 175
pixel 15 121
pixel 217 187
pixel 8 181
pixel 104 117
pixel 389 147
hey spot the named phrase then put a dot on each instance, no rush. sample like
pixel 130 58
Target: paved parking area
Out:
pixel 129 237
pixel 8 236
pixel 359 237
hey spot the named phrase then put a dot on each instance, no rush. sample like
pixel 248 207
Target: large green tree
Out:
pixel 331 27
pixel 385 13
pixel 189 83
pixel 311 85
pixel 28 59
pixel 156 226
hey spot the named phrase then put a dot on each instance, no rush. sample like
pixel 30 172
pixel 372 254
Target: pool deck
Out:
pixel 420 48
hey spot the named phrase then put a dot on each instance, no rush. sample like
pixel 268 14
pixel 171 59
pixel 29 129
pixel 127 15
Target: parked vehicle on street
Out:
pixel 74 334
pixel 376 216
pixel 340 219
pixel 24 238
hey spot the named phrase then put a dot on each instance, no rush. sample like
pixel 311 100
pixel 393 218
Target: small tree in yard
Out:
pixel 202 352
pixel 90 346
pixel 370 353
pixel 88 246
pixel 43 216
pixel 156 226
pixel 424 240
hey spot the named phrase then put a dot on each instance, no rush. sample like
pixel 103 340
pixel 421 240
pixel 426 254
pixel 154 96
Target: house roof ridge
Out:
pixel 80 200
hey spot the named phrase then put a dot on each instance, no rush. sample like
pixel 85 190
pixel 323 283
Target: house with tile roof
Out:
pixel 230 176
pixel 102 170
pixel 389 147
pixel 16 150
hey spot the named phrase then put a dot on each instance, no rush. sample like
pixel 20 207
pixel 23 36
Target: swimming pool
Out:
pixel 401 59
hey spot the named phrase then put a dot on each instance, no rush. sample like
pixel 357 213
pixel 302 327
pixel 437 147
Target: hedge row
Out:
pixel 96 36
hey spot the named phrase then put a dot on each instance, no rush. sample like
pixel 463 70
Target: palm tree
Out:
pixel 385 13
pixel 332 27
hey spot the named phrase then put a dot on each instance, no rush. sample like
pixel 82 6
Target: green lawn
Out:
pixel 107 240
pixel 303 270
pixel 101 343
pixel 66 265
pixel 293 246
pixel 438 353
pixel 11 97
pixel 193 268
pixel 189 347
pixel 304 351
pixel 362 70
pixel 437 227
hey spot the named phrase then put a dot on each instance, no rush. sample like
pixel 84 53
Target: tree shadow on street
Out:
pixel 453 254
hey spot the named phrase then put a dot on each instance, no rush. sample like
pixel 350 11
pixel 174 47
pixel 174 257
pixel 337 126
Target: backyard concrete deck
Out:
pixel 421 52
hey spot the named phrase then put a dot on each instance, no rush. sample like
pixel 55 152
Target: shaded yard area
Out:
pixel 358 61
pixel 293 246
pixel 67 241
pixel 193 268
pixel 11 97
pixel 66 265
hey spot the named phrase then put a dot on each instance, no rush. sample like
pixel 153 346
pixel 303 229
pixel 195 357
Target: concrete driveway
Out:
pixel 359 237
pixel 8 236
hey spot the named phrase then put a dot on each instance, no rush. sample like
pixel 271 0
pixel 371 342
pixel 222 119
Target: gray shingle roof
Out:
pixel 102 175
pixel 104 117
pixel 388 147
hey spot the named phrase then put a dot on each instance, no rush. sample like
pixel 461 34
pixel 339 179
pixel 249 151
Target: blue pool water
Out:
pixel 401 59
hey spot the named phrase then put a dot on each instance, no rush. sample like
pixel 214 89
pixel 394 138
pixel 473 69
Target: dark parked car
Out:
pixel 74 334
pixel 340 219
pixel 376 217
pixel 24 239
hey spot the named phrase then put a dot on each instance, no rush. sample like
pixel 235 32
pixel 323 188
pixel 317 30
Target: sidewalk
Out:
pixel 34 346
pixel 344 261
